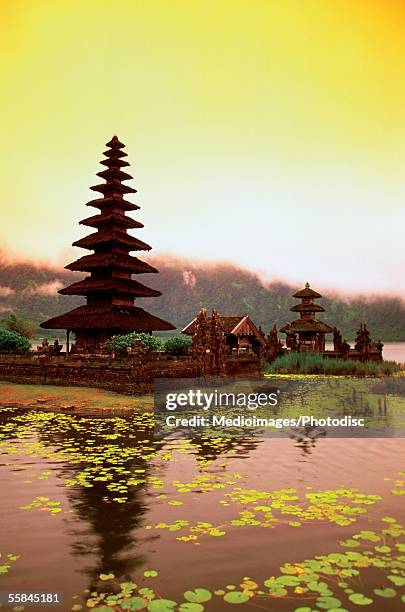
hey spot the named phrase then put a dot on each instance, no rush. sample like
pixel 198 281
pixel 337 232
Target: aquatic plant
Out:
pixel 334 581
pixel 6 562
pixel 113 456
pixel 312 363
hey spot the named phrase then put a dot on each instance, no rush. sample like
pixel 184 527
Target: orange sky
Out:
pixel 267 133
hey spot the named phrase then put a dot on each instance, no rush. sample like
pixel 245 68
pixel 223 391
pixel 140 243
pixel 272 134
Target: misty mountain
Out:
pixel 30 291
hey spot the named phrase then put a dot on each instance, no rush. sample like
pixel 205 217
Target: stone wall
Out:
pixel 120 375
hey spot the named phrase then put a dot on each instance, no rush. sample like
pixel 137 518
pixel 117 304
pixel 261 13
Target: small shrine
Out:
pixel 110 289
pixel 241 334
pixel 307 333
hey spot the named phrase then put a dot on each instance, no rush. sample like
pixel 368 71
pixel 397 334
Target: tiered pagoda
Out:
pixel 307 334
pixel 110 289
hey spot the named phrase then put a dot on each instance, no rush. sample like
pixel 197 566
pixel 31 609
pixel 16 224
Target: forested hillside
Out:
pixel 30 291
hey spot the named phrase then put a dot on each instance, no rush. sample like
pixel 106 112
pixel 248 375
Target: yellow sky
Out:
pixel 267 133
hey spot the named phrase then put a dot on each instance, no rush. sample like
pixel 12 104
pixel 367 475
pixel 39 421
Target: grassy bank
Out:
pixel 301 363
pixel 75 399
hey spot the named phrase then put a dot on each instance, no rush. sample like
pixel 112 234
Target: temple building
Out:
pixel 307 334
pixel 241 334
pixel 110 289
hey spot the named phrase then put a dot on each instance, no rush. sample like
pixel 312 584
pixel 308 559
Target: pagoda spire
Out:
pixel 110 290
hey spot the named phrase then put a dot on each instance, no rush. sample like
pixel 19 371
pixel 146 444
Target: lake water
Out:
pixel 393 351
pixel 88 504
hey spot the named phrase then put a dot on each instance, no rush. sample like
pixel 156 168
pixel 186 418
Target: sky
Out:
pixel 264 133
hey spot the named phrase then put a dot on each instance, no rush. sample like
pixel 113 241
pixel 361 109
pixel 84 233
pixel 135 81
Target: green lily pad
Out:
pixel 133 603
pixel 360 600
pixel 328 603
pixel 287 581
pixel 198 595
pixel 397 580
pixel 191 607
pixel 350 543
pixel 150 573
pixel 319 587
pixel 277 590
pixel 287 568
pixel 383 549
pixel 161 605
pixel 236 597
pixel 385 592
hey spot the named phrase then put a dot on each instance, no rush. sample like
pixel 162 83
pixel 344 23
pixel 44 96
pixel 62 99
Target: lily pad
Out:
pixel 385 592
pixel 161 605
pixel 236 597
pixel 198 595
pixel 328 603
pixel 397 580
pixel 134 603
pixel 360 600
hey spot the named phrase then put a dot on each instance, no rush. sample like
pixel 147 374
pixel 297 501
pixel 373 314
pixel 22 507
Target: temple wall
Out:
pixel 121 375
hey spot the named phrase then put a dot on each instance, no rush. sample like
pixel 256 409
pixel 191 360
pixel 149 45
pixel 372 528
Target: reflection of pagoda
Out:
pixel 310 331
pixel 109 290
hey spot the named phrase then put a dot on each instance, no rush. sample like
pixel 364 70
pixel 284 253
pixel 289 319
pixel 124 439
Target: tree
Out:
pixel 11 342
pixel 177 346
pixel 23 327
pixel 121 343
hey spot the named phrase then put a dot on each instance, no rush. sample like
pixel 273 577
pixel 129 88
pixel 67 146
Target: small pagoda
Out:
pixel 110 289
pixel 307 334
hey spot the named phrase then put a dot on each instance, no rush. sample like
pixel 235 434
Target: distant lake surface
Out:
pixel 393 351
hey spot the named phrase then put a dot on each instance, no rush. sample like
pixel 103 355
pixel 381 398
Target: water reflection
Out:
pixel 108 536
pixel 101 530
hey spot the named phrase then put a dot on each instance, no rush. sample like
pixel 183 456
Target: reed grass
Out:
pixel 312 363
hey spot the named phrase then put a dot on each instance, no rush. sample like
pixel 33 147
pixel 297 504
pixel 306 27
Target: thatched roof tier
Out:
pixel 114 154
pixel 112 202
pixel 240 326
pixel 300 325
pixel 305 307
pixel 114 173
pixel 228 324
pixel 116 286
pixel 234 324
pixel 112 162
pixel 108 236
pixel 110 266
pixel 111 218
pixel 115 143
pixel 113 186
pixel 307 292
pixel 114 261
pixel 118 319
